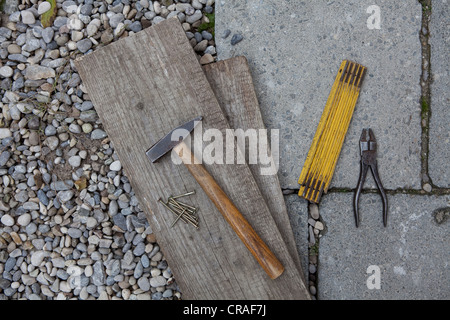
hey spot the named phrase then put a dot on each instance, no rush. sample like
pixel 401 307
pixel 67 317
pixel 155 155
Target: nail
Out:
pixel 182 206
pixel 170 209
pixel 183 195
pixel 186 215
pixel 193 223
pixel 178 218
pixel 187 218
pixel 185 205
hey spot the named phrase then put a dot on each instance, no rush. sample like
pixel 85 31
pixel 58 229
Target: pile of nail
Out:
pixel 181 210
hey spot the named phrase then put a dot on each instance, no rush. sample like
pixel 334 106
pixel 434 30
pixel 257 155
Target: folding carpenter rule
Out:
pixel 326 146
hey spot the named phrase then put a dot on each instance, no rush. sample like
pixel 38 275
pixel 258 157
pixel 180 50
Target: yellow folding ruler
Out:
pixel 326 146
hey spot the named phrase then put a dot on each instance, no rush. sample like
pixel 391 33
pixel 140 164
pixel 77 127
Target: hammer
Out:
pixel 174 140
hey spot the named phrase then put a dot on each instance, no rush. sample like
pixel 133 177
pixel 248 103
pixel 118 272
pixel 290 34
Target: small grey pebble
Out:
pixel 98 134
pixel 75 161
pixel 4 283
pixel 157 296
pixel 44 228
pixel 208 9
pixel 85 106
pixel 236 39
pixel 211 50
pixel 138 270
pixel 312 290
pixel 158 19
pixel 145 261
pixel 206 35
pixel 135 26
pixel 427 187
pixel 167 293
pixel 47 34
pixel 34 123
pixel 42 197
pixel 10 264
pixel 84 45
pixel 74 128
pixel 50 130
pixel 198 37
pixel 4 157
pixel 86 9
pixel 89 116
pixel 116 19
pixel 314 211
pixel 31 228
pixel 139 249
pixel 226 33
pixel 74 233
pixel 143 284
pixel 288 191
pixel 162 265
pixel 62 274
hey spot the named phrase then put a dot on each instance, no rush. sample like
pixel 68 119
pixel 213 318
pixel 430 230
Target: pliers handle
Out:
pixel 368 147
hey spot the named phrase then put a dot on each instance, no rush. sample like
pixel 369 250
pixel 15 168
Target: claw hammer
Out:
pixel 174 141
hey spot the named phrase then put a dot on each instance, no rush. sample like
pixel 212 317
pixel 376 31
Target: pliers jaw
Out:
pixel 367 141
pixel 368 148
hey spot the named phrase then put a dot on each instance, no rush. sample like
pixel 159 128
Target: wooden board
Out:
pixel 142 87
pixel 232 84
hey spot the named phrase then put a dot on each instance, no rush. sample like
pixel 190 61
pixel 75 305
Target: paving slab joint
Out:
pixel 425 99
pixel 432 191
pixel 316 228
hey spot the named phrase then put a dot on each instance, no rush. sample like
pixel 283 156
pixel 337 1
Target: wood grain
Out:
pixel 143 86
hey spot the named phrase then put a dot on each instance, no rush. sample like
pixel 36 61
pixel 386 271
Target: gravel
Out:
pixel 70 224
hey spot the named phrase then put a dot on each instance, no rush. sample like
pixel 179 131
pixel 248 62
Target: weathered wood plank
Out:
pixel 142 87
pixel 232 84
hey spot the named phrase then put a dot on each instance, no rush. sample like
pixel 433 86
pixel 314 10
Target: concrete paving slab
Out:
pixel 297 209
pixel 410 257
pixel 294 50
pixel 439 153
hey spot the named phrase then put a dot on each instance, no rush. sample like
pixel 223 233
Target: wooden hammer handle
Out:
pixel 268 261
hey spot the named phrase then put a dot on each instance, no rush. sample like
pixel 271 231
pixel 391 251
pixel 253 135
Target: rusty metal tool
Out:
pixel 368 148
pixel 174 141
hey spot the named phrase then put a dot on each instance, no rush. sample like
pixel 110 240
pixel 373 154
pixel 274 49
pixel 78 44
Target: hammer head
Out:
pixel 173 138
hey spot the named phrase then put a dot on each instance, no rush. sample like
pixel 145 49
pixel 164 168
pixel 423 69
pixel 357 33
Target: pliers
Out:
pixel 368 147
